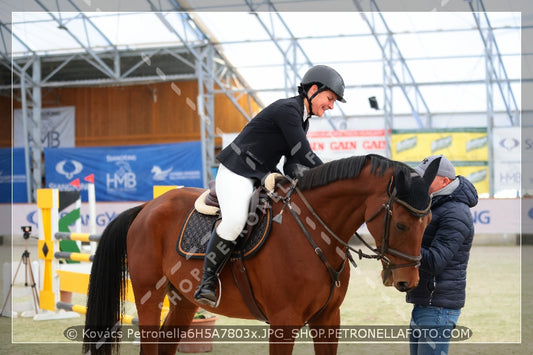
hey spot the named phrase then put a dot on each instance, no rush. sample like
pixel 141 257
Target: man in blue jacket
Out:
pixel 446 244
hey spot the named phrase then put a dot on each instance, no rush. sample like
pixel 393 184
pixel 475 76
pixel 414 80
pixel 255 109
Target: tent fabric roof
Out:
pixel 444 51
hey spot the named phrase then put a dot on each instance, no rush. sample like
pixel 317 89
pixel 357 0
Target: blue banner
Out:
pixel 12 180
pixel 125 173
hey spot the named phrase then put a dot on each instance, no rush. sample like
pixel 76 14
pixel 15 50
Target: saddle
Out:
pixel 201 219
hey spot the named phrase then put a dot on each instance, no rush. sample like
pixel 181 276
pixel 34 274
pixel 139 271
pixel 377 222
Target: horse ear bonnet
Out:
pixel 414 189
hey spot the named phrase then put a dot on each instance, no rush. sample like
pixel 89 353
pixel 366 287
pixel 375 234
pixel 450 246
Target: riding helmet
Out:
pixel 328 77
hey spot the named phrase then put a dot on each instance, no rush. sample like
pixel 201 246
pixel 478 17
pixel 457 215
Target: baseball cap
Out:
pixel 445 166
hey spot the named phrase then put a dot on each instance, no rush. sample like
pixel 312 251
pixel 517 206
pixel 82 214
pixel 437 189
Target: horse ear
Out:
pixel 401 183
pixel 431 171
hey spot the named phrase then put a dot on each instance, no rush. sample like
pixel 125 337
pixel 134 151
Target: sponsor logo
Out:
pixel 481 217
pixel 123 179
pixel 441 143
pixel 509 143
pixel 406 144
pixel 69 168
pixel 477 176
pixel 159 174
pixel 33 218
pixel 476 143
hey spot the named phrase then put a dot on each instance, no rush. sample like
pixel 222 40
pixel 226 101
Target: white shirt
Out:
pixel 305 114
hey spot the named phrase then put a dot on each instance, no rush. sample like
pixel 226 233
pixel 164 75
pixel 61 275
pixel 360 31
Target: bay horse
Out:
pixel 298 277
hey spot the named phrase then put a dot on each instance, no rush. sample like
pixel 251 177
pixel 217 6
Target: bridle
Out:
pixel 379 252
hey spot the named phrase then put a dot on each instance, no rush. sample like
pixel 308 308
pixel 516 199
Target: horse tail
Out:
pixel 107 286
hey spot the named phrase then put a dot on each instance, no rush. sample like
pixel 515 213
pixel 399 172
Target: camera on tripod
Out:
pixel 26 230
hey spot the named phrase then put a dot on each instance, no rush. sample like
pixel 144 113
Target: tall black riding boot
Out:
pixel 217 254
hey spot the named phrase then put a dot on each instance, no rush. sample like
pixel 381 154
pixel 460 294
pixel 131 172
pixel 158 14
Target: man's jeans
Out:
pixel 431 329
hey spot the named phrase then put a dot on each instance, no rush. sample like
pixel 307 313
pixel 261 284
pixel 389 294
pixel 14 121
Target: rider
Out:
pixel 278 130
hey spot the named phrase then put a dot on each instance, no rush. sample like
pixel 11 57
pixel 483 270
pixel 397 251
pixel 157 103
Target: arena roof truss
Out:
pixel 94 57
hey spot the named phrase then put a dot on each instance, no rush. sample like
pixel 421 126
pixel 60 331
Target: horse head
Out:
pixel 398 236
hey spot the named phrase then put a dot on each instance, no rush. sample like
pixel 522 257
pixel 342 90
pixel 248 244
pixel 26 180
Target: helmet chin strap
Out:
pixel 309 99
pixel 310 111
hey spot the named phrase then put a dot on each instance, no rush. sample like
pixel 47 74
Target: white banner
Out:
pixel 491 216
pixel 527 161
pixel 333 145
pixel 57 127
pixel 28 215
pixel 506 144
pixel 507 178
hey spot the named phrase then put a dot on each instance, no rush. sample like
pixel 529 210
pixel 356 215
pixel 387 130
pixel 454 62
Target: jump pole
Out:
pixel 83 310
pixel 91 195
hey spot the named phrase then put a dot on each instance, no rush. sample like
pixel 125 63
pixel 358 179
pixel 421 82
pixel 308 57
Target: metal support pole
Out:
pixel 206 110
pixel 37 148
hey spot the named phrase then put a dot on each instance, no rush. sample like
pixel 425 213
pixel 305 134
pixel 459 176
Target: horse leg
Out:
pixel 326 328
pixel 283 332
pixel 281 340
pixel 149 301
pixel 180 314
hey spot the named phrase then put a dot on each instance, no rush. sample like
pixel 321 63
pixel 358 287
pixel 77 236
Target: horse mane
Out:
pixel 348 168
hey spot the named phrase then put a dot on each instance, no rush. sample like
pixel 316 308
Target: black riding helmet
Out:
pixel 326 78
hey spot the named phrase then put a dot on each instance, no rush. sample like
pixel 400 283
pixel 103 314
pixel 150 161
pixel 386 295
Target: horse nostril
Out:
pixel 402 286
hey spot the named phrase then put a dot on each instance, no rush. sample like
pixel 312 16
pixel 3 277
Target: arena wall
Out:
pixel 135 114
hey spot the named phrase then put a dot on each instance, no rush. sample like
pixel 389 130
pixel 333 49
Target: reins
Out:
pixel 379 253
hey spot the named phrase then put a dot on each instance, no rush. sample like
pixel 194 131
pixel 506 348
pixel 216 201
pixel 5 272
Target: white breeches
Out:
pixel 234 193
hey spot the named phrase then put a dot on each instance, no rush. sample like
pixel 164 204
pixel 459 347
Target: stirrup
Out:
pixel 208 302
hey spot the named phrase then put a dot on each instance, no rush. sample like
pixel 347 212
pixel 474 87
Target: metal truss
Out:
pixel 211 68
pixel 200 59
pixel 495 69
pixel 207 65
pixel 396 72
pixel 495 74
pixel 294 56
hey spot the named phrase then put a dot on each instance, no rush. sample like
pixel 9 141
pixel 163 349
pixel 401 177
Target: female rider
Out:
pixel 278 130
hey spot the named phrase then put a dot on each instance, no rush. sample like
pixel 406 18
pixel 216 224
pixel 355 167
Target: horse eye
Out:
pixel 401 226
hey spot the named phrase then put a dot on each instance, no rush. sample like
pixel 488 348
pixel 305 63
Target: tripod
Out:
pixel 28 272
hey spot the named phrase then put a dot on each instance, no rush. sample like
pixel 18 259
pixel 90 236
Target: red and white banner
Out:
pixel 332 145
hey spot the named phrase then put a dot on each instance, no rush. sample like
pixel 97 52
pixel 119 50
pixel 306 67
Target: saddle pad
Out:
pixel 197 229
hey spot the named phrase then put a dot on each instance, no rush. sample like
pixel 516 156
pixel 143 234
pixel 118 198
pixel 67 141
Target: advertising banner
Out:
pixel 466 148
pixel 507 147
pixel 527 162
pixel 478 174
pixel 125 173
pixel 491 216
pixel 57 127
pixel 468 144
pixel 12 180
pixel 333 145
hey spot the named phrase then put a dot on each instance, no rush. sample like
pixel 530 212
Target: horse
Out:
pixel 298 277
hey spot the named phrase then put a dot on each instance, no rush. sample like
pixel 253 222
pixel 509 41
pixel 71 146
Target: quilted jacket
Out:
pixel 446 248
